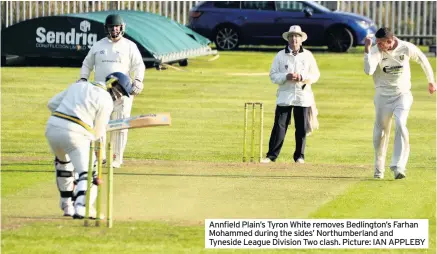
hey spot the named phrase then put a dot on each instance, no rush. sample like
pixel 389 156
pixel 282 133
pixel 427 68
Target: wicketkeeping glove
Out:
pixel 137 87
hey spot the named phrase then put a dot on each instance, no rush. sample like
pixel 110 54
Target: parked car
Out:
pixel 233 23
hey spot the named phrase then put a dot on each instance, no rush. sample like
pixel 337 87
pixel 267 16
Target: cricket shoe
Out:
pixel 116 164
pixel 399 175
pixel 93 214
pixel 266 160
pixel 300 160
pixel 80 213
pixel 68 210
pixel 378 176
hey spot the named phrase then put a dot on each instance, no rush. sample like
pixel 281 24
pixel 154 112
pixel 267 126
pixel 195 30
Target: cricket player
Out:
pixel 389 64
pixel 80 114
pixel 116 54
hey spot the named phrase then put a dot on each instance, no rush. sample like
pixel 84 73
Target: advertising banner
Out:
pixel 58 36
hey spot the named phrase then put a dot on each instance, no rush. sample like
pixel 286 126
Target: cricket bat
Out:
pixel 141 121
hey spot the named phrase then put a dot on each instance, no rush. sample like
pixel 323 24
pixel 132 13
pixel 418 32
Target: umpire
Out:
pixel 294 69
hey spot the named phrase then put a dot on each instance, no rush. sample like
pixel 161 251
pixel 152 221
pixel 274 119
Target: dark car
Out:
pixel 233 23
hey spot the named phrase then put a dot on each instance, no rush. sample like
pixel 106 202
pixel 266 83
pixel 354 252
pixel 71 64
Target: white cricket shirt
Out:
pixel 93 105
pixel 391 70
pixel 107 57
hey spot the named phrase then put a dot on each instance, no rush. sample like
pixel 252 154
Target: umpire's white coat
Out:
pixel 392 77
pixel 293 92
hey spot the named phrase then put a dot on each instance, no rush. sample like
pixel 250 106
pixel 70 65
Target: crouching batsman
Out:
pixel 80 115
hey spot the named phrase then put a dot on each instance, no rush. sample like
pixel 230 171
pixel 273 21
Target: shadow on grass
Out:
pixel 274 49
pixel 270 49
pixel 48 218
pixel 15 61
pixel 26 164
pixel 42 61
pixel 283 177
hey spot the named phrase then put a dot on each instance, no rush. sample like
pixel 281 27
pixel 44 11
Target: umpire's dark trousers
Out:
pixel 282 120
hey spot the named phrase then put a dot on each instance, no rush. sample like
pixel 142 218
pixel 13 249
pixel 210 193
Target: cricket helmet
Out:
pixel 118 84
pixel 111 21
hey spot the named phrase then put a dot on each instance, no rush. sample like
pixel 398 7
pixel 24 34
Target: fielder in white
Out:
pixel 389 64
pixel 80 114
pixel 116 54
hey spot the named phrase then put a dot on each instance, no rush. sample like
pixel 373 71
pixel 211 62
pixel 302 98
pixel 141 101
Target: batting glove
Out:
pixel 137 87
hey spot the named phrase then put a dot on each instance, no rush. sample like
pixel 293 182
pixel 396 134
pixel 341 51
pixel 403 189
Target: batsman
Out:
pixel 116 54
pixel 80 114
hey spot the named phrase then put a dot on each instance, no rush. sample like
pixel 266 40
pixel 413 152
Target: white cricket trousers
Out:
pixel 385 108
pixel 122 109
pixel 75 147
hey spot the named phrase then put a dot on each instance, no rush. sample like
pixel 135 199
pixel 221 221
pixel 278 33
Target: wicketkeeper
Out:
pixel 116 54
pixel 80 114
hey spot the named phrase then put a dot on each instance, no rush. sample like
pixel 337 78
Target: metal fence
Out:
pixel 15 11
pixel 415 20
pixel 412 20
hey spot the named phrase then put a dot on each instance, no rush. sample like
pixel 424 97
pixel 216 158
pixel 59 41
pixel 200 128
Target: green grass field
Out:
pixel 176 177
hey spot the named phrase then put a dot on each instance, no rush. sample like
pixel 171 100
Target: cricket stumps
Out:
pixel 254 106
